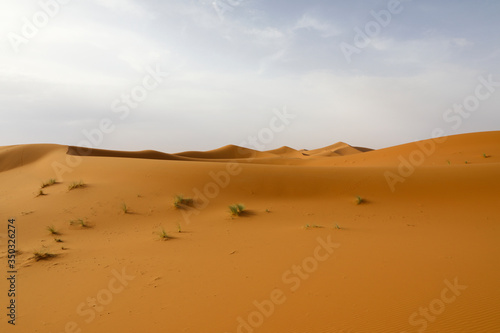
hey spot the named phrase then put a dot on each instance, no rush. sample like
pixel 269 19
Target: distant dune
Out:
pixel 336 239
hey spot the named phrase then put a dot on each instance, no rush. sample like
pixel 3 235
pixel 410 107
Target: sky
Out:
pixel 178 75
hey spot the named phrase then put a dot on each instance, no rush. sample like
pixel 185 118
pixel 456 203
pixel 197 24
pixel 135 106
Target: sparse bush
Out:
pixel 50 182
pixel 163 235
pixel 52 230
pixel 42 255
pixel 180 201
pixel 80 223
pixel 307 226
pixel 76 185
pixel 125 208
pixel 236 209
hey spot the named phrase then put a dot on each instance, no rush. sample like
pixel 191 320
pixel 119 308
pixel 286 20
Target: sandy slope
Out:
pixel 395 255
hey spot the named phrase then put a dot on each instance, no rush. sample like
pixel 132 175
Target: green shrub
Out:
pixel 50 182
pixel 76 185
pixel 80 223
pixel 308 226
pixel 180 201
pixel 42 255
pixel 52 230
pixel 236 209
pixel 163 235
pixel 125 208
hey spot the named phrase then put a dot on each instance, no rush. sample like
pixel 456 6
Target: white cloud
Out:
pixel 382 44
pixel 266 33
pixel 128 6
pixel 307 21
pixel 88 55
pixel 266 62
pixel 461 42
pixel 424 52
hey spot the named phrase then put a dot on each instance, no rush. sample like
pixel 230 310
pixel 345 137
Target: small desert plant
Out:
pixel 307 226
pixel 42 255
pixel 80 223
pixel 448 162
pixel 58 240
pixel 52 230
pixel 466 162
pixel 163 235
pixel 125 208
pixel 358 200
pixel 76 185
pixel 236 209
pixel 180 201
pixel 40 193
pixel 268 211
pixel 486 156
pixel 179 229
pixel 50 182
pixel 337 226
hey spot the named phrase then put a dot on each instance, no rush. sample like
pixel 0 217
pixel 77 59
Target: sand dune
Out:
pixel 337 149
pixel 147 154
pixel 226 153
pixel 418 254
pixel 18 156
pixel 287 152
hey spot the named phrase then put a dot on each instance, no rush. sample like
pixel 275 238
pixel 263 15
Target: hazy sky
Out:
pixel 175 75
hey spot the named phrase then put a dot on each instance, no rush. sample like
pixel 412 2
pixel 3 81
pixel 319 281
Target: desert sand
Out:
pixel 418 251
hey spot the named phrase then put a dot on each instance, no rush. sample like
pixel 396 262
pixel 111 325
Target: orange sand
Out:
pixel 395 255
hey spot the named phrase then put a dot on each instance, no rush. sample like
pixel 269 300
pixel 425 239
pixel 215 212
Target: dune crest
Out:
pixel 225 153
pixel 21 155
